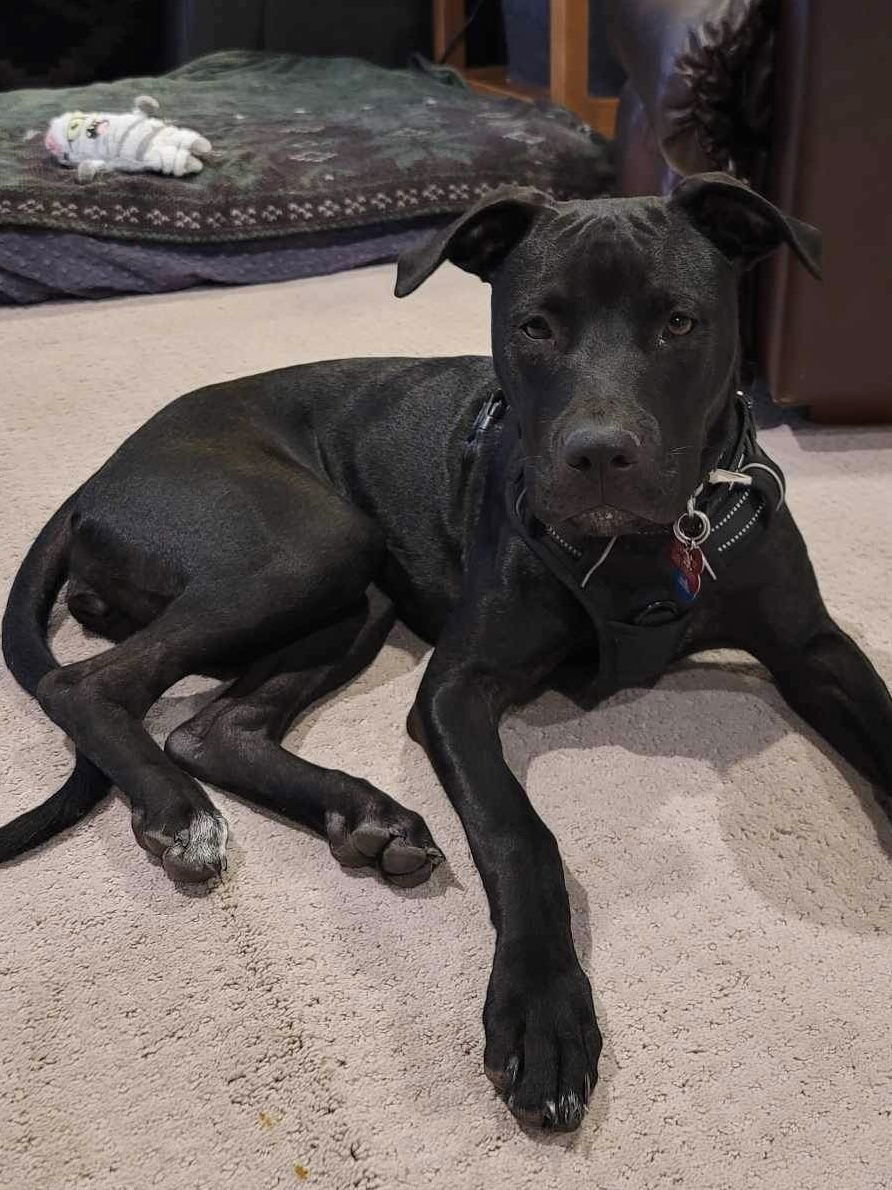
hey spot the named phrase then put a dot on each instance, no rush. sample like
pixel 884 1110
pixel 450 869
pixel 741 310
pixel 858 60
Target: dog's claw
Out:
pixel 504 1080
pixel 570 1111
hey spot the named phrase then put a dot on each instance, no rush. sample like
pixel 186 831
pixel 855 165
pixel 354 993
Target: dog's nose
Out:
pixel 608 448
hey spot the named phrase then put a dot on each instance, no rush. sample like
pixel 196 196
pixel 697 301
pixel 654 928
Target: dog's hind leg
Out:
pixel 235 743
pixel 100 702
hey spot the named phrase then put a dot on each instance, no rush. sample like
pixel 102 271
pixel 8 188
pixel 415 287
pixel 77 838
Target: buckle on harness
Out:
pixel 490 411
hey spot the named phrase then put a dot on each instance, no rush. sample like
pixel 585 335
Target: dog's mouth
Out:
pixel 607 521
pixel 604 519
pixel 621 507
pixel 601 520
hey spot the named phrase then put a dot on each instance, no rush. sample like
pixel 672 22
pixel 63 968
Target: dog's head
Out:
pixel 615 335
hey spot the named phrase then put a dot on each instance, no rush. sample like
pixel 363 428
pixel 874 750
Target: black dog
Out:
pixel 582 512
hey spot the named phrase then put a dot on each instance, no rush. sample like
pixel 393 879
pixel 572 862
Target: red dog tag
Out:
pixel 688 563
pixel 687 557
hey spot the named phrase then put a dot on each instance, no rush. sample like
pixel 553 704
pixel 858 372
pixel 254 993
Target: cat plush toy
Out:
pixel 135 141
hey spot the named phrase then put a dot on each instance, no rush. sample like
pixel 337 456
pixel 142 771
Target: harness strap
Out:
pixel 631 652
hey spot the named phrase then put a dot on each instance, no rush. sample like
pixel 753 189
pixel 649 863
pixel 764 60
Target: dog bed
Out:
pixel 309 153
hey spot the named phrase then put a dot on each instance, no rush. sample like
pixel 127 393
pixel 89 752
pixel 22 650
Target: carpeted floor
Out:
pixel 299 1025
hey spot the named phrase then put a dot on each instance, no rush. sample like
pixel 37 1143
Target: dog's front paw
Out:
pixel 542 1039
pixel 373 829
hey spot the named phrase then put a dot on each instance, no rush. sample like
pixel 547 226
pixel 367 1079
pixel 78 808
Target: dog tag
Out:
pixel 687 561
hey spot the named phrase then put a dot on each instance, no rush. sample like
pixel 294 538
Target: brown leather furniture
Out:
pixel 794 96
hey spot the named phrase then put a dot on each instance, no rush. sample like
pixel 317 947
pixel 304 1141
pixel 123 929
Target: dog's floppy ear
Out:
pixel 478 241
pixel 742 224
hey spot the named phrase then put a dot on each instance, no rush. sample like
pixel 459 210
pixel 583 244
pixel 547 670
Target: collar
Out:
pixel 736 500
pixel 640 589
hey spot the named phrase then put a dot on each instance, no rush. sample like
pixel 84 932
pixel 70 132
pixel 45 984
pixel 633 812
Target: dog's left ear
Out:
pixel 478 241
pixel 742 224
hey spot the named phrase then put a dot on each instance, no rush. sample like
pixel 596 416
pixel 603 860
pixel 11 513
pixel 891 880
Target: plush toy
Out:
pixel 136 141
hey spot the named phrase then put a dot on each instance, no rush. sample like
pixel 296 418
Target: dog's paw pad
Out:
pixel 370 839
pixel 400 844
pixel 152 836
pixel 400 857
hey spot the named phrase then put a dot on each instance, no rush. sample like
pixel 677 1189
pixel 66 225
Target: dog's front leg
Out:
pixel 542 1041
pixel 781 619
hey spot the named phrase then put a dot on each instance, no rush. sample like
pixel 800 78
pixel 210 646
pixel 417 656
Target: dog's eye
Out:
pixel 537 328
pixel 679 324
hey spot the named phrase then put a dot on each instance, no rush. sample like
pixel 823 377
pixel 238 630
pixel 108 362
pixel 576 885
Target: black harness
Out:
pixel 637 596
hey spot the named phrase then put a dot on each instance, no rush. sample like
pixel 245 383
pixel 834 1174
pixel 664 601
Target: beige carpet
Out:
pixel 733 904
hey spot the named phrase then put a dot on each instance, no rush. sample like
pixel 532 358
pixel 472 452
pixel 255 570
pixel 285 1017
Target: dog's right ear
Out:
pixel 743 225
pixel 478 241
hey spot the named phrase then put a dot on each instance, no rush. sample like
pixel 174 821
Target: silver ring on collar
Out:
pixel 705 527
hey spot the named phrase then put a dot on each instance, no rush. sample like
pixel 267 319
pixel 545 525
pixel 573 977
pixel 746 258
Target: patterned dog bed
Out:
pixel 302 146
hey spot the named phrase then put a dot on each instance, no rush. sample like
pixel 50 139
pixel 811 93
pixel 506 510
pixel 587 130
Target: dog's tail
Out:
pixel 30 658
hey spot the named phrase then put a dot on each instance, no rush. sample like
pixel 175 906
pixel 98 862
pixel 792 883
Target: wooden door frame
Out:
pixel 568 51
